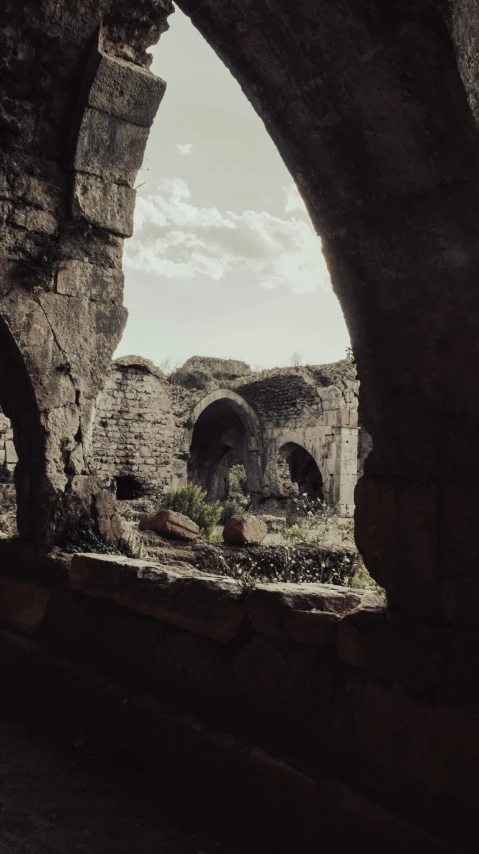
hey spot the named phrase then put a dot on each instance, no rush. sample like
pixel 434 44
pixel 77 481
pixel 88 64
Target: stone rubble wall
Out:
pixel 144 421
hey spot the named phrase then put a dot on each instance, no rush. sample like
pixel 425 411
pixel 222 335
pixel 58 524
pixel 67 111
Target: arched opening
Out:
pixel 127 488
pixel 303 471
pixel 219 441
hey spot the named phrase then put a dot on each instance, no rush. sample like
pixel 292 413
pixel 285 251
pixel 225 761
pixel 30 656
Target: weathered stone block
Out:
pixel 36 220
pixel 126 90
pixel 108 206
pixel 244 530
pixel 458 529
pixel 110 147
pixel 393 647
pixel 270 606
pixel 190 662
pixel 169 523
pixel 397 534
pixel 202 604
pixel 23 605
pixel 271 674
pixel 101 322
pixel 314 627
pixel 80 279
pixel 44 195
pixel 461 673
pixel 11 456
pixel 460 597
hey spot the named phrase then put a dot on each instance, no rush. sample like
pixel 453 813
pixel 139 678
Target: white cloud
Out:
pixel 176 239
pixel 187 148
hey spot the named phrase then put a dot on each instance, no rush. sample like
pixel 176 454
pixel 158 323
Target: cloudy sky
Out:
pixel 224 260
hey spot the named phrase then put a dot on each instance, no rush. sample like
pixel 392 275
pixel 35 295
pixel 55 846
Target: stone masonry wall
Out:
pixel 144 422
pixel 139 428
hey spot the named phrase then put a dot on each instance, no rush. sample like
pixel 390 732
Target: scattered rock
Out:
pixel 170 524
pixel 244 531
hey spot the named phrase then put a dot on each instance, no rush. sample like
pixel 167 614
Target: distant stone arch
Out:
pixel 223 430
pixel 303 470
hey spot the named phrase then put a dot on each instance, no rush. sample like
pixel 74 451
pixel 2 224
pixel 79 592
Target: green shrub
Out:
pixel 230 509
pixel 191 501
pixel 238 501
pixel 5 475
pixel 238 485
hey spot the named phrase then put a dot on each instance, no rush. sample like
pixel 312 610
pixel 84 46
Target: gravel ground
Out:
pixel 56 798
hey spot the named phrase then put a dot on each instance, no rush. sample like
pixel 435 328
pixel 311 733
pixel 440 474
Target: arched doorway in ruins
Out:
pixel 411 185
pixel 297 467
pixel 224 433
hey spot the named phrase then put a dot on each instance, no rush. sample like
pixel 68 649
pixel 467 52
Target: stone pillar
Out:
pixel 61 285
pixel 345 477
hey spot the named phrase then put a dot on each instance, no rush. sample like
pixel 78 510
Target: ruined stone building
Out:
pixel 294 429
pixel 315 708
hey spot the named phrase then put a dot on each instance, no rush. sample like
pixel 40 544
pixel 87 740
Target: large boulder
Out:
pixel 244 531
pixel 170 524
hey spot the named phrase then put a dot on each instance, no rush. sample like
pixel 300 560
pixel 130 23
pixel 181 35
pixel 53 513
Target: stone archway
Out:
pixel 303 471
pixel 224 430
pixel 374 110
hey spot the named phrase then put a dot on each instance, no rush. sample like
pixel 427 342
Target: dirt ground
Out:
pixel 56 798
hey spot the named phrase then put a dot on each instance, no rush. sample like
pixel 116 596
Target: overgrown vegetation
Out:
pixel 6 476
pixel 84 536
pixel 300 564
pixel 191 501
pixel 363 581
pixel 317 523
pixel 238 502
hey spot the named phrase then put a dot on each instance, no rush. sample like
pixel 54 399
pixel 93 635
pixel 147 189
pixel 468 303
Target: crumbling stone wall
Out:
pixel 77 103
pixel 138 430
pixel 145 426
pixel 315 408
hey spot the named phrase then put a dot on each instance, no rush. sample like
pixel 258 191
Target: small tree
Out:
pixel 295 360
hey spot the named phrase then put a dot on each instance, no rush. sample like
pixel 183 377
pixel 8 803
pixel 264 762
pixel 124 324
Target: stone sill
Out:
pixel 212 606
